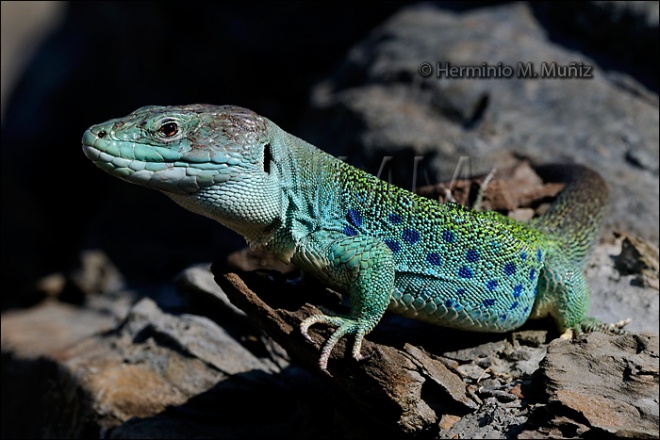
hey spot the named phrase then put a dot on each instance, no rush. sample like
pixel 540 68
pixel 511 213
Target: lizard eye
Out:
pixel 169 129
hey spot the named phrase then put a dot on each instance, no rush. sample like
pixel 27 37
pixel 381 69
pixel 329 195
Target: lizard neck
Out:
pixel 243 209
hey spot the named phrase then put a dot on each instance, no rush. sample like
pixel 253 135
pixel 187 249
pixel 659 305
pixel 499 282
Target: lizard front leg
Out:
pixel 360 266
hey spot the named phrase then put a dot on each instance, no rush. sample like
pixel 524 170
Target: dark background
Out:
pixel 105 59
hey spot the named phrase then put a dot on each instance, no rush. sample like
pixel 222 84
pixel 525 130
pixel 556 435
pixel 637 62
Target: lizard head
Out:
pixel 178 149
pixel 213 160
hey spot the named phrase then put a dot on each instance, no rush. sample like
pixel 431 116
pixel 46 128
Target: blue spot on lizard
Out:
pixel 350 231
pixel 472 256
pixel 517 290
pixel 410 235
pixel 393 245
pixel 509 269
pixel 465 272
pixel 394 218
pixel 434 258
pixel 354 217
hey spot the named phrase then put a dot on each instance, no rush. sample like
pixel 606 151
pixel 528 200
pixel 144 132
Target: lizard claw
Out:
pixel 619 325
pixel 345 326
pixel 305 325
pixel 593 325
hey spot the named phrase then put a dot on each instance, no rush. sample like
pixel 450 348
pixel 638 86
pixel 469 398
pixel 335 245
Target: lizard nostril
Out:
pixel 102 134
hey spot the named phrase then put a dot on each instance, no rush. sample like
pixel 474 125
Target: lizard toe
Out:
pixel 345 327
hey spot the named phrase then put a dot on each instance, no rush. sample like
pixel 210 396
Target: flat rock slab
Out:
pixel 606 384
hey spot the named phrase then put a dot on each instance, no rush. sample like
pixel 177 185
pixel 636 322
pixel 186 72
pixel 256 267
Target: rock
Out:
pixel 96 274
pixel 640 258
pixel 617 294
pixel 191 335
pixel 608 385
pixel 107 375
pixel 248 259
pixel 627 29
pixel 377 107
pixel 52 326
pixel 147 375
pixel 198 281
pixel 391 383
pixel 41 396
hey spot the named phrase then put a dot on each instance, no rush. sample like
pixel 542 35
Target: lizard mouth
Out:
pixel 150 166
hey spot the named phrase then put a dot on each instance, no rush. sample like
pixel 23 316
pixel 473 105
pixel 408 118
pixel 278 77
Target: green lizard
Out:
pixel 385 247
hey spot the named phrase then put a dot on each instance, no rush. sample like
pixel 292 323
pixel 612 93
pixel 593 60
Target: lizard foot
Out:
pixel 590 325
pixel 345 326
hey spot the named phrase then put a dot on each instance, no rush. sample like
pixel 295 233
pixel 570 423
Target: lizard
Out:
pixel 384 247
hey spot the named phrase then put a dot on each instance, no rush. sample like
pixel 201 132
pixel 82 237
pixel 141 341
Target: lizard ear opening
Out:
pixel 267 158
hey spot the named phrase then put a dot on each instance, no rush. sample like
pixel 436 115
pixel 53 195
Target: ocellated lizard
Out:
pixel 385 247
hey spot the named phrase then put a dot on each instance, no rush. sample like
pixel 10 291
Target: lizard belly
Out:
pixel 496 305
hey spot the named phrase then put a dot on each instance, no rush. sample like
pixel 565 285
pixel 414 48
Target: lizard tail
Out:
pixel 574 219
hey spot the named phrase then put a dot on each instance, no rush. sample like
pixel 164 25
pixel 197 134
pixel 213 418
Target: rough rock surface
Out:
pixel 155 373
pixel 379 104
pixel 616 389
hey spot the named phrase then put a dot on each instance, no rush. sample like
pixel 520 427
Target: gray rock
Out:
pixel 198 280
pixel 617 294
pixel 99 375
pixel 377 105
pixel 607 384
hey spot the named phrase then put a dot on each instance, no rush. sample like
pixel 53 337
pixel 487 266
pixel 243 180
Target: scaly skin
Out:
pixel 385 247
